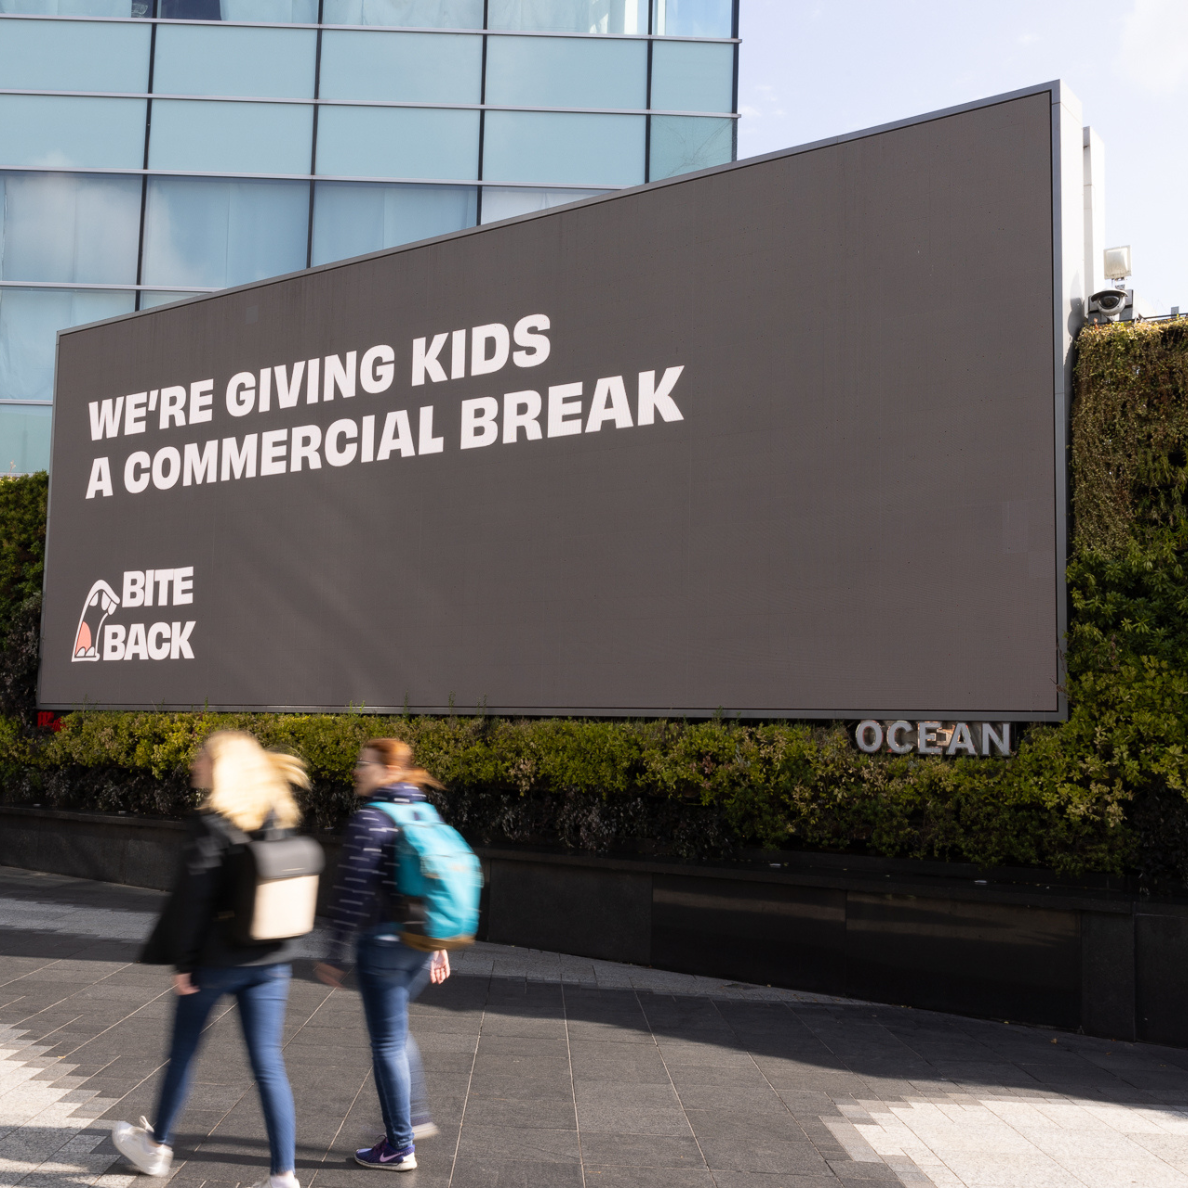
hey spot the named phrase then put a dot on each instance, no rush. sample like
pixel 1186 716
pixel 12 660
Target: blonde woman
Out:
pixel 249 789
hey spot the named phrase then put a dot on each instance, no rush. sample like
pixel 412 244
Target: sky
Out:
pixel 809 70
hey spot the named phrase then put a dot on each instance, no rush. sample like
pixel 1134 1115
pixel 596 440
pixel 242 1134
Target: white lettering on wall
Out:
pixel 105 417
pixel 100 481
pixel 377 369
pixel 173 407
pixel 480 425
pixel 425 361
pixel 931 738
pixel 497 338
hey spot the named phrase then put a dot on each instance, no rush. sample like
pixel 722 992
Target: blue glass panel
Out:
pixel 24 439
pixel 682 144
pixel 74 56
pixel 150 299
pixel 98 8
pixel 569 16
pixel 69 227
pixel 209 60
pixel 693 18
pixel 566 72
pixel 406 67
pixel 29 323
pixel 398 142
pixel 412 14
pixel 193 10
pixel 507 203
pixel 212 232
pixel 212 137
pixel 352 218
pixel 53 131
pixel 281 12
pixel 692 76
pixel 544 147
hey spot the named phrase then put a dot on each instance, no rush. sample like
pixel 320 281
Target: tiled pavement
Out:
pixel 548 1070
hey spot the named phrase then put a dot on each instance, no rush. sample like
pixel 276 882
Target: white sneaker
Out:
pixel 134 1144
pixel 289 1181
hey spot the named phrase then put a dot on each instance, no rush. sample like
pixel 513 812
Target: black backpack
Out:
pixel 271 886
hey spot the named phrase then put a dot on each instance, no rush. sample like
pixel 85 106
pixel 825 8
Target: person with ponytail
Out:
pixel 391 974
pixel 249 795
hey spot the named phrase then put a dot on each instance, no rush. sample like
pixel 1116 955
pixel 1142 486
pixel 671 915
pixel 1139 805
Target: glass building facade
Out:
pixel 152 149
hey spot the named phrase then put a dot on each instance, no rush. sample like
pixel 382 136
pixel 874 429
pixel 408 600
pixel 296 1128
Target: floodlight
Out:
pixel 1117 263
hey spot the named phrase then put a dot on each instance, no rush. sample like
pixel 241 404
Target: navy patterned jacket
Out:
pixel 366 879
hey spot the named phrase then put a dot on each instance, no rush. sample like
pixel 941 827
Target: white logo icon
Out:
pixel 101 601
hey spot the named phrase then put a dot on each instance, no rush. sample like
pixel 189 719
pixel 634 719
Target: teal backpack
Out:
pixel 436 868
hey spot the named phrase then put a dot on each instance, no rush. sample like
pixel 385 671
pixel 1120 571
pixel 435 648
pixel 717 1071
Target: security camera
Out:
pixel 1111 305
pixel 1108 301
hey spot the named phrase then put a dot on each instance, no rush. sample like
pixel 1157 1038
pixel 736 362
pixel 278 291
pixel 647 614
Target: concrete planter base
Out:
pixel 926 935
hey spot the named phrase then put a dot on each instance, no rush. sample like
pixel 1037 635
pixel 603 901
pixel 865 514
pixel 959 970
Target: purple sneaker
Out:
pixel 383 1155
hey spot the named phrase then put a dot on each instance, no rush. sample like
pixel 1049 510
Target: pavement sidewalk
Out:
pixel 550 1070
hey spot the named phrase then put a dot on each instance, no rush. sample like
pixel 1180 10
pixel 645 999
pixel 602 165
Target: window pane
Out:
pixel 543 147
pixel 99 8
pixel 570 16
pixel 566 72
pixel 692 76
pixel 682 144
pixel 506 204
pixel 398 142
pixel 282 12
pixel 211 232
pixel 54 131
pixel 352 218
pixel 694 18
pixel 150 300
pixel 74 56
pixel 66 227
pixel 408 67
pixel 207 60
pixel 230 137
pixel 413 14
pixel 29 323
pixel 24 439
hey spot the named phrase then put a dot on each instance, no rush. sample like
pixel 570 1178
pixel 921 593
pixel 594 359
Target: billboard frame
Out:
pixel 1069 296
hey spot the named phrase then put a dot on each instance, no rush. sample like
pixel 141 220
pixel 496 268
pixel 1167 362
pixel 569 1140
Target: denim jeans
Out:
pixel 390 976
pixel 262 992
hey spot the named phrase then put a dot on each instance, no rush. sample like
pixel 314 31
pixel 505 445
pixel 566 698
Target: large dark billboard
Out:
pixel 780 439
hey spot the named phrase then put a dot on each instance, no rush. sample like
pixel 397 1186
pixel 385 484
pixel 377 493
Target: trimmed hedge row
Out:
pixel 1103 792
pixel 694 789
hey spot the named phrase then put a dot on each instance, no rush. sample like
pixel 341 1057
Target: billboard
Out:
pixel 784 438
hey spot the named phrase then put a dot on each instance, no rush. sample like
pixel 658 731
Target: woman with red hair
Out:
pixel 391 974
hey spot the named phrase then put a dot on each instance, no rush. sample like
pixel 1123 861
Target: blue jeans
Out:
pixel 390 976
pixel 262 992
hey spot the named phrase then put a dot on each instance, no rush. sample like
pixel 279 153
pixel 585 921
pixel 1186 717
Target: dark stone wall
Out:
pixel 1020 946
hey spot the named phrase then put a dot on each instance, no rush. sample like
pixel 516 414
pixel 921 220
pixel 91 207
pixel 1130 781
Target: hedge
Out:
pixel 1105 791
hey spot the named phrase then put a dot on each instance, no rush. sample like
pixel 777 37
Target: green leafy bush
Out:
pixel 1105 791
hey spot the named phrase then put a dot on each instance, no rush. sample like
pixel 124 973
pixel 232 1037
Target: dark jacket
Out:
pixel 190 933
pixel 365 882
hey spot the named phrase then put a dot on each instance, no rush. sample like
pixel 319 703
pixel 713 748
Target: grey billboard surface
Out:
pixel 779 438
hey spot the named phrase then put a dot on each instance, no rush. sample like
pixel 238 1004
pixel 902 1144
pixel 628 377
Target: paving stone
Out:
pixel 546 1070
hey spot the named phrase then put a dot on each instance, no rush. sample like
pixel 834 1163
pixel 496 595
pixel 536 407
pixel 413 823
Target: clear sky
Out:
pixel 811 70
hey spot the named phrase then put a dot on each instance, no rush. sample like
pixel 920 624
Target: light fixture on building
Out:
pixel 1117 264
pixel 1113 305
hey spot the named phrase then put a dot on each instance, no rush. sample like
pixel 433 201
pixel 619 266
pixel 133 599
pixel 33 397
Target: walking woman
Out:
pixel 249 788
pixel 391 974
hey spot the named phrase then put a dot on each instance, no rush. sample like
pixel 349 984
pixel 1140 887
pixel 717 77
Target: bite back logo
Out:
pixel 96 639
